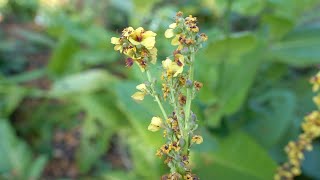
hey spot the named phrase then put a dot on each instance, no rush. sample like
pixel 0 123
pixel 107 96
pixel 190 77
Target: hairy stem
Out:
pixel 176 110
pixel 187 109
pixel 155 95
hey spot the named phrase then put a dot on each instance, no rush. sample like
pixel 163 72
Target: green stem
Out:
pixel 174 102
pixel 187 109
pixel 155 95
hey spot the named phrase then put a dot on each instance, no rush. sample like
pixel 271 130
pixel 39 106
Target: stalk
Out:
pixel 187 109
pixel 155 95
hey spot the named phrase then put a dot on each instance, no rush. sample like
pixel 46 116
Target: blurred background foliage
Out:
pixel 65 106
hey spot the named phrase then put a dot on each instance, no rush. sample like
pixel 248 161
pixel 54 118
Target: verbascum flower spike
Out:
pixel 178 88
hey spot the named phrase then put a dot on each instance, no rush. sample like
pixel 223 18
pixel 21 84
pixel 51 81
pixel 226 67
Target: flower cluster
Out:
pixel 138 45
pixel 178 88
pixel 295 150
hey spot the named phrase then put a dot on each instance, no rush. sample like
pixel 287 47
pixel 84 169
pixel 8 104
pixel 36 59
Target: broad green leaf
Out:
pixel 60 60
pixel 230 48
pixel 237 157
pixel 301 48
pixel 277 26
pixel 272 115
pixel 85 82
pixel 235 80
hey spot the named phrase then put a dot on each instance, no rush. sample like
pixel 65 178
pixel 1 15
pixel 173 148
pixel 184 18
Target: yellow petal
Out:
pixel 173 25
pixel 142 87
pixel 169 33
pixel 178 71
pixel 166 63
pixel 115 40
pixel 138 96
pixel 155 125
pixel 149 42
pixel 175 40
pixel 149 34
pixel 139 30
pixel 117 47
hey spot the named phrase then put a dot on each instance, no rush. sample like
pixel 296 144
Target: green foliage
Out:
pixel 254 67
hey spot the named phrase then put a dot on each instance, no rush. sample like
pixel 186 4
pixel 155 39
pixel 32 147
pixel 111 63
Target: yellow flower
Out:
pixel 197 139
pixel 139 96
pixel 315 80
pixel 174 68
pixel 142 37
pixel 169 32
pixel 117 43
pixel 155 124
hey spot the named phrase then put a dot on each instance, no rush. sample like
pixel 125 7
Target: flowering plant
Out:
pixel 178 87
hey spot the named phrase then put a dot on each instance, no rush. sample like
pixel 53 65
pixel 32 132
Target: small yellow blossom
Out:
pixel 173 67
pixel 142 87
pixel 142 37
pixel 138 96
pixel 197 139
pixel 153 55
pixel 117 43
pixel 169 32
pixel 155 124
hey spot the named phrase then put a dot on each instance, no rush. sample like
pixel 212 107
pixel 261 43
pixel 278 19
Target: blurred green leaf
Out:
pixel 278 26
pixel 238 157
pixel 16 158
pixel 301 47
pixel 244 7
pixel 60 60
pixel 235 80
pixel 273 107
pixel 230 48
pixel 85 82
pixel 10 97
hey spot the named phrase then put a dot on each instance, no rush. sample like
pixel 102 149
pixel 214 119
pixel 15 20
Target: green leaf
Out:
pixel 231 48
pixel 235 80
pixel 16 158
pixel 273 107
pixel 244 7
pixel 102 120
pixel 85 82
pixel 300 48
pixel 60 60
pixel 10 97
pixel 278 26
pixel 238 157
